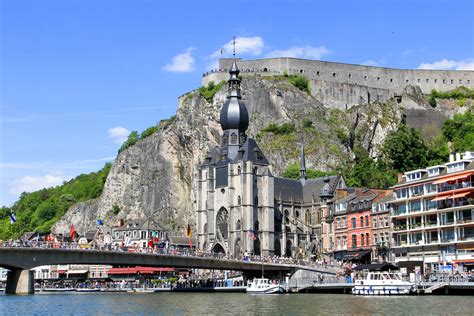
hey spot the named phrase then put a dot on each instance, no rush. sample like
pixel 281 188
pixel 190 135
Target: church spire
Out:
pixel 234 116
pixel 302 164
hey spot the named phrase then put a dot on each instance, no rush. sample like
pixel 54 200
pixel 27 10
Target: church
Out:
pixel 241 207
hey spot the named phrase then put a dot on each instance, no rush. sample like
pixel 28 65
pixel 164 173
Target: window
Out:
pixel 416 190
pixel 362 221
pixel 353 222
pixel 367 239
pixel 350 75
pixel 354 241
pixel 366 220
pixel 374 221
pixel 365 77
pixel 362 243
pixel 391 79
pixel 427 80
pixel 401 193
pixel 456 167
pixel 334 74
pixel 413 176
pixel 433 172
pixel 338 223
pixel 444 80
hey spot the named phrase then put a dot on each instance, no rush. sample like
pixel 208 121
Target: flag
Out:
pixel 12 218
pixel 100 222
pixel 72 232
pixel 252 235
pixel 190 243
pixel 189 232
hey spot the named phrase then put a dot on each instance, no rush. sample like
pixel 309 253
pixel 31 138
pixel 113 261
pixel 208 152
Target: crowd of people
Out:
pixel 325 265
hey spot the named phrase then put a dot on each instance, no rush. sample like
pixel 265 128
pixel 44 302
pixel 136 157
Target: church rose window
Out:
pixel 222 223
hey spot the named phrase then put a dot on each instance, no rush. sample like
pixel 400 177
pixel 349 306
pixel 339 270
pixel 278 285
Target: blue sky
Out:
pixel 78 75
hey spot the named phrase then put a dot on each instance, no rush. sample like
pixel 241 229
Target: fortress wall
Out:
pixel 343 85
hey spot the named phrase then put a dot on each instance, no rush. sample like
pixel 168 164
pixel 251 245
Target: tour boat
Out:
pixel 383 283
pixel 264 286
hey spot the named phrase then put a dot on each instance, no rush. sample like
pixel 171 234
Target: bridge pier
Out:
pixel 20 282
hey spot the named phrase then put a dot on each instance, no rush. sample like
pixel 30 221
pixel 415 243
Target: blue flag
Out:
pixel 12 218
pixel 100 222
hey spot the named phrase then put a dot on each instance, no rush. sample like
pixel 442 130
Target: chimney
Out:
pixel 451 157
pixel 458 156
pixel 399 176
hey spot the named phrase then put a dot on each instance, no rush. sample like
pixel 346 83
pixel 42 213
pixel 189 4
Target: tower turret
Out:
pixel 234 117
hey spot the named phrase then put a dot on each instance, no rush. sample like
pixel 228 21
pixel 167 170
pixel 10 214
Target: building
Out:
pixel 138 233
pixel 359 220
pixel 242 207
pixel 432 214
pixel 381 228
pixel 340 223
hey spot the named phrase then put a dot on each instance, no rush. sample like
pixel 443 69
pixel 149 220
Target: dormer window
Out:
pixel 459 166
pixel 433 172
pixel 413 176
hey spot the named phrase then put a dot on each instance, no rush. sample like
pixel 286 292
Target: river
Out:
pixel 230 304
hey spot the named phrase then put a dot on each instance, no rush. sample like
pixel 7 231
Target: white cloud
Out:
pixel 243 45
pixel 446 64
pixel 32 183
pixel 118 134
pixel 182 62
pixel 371 63
pixel 306 52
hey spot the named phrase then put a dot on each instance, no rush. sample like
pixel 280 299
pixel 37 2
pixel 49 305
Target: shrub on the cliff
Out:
pixel 208 92
pixel 284 129
pixel 461 92
pixel 293 172
pixel 147 132
pixel 300 82
pixel 133 137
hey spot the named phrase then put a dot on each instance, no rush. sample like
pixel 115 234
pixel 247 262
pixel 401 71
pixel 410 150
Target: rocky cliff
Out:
pixel 153 178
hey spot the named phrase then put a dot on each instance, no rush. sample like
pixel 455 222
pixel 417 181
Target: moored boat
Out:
pixel 264 286
pixel 383 283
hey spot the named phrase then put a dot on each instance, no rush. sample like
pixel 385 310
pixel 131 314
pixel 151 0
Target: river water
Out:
pixel 230 304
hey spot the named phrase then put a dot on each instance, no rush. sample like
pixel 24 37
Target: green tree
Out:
pixel 405 149
pixel 293 172
pixel 460 131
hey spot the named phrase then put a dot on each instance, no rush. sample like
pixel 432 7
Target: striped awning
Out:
pixel 452 178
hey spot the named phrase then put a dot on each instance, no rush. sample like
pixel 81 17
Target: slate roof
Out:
pixel 312 188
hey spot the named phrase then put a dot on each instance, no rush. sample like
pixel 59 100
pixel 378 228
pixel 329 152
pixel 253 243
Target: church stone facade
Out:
pixel 242 207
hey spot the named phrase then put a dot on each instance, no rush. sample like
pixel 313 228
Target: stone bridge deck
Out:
pixel 20 260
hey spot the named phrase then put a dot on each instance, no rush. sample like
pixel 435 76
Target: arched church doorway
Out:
pixel 289 245
pixel 218 249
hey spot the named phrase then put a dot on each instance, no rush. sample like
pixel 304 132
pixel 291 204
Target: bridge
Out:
pixel 19 261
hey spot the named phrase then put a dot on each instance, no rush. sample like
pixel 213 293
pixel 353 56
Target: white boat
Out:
pixel 383 283
pixel 264 286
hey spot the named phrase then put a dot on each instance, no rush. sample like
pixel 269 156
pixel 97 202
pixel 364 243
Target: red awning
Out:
pixel 440 198
pixel 452 178
pixel 459 195
pixel 141 270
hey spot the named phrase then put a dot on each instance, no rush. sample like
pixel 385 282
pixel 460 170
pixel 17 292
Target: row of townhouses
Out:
pixel 426 218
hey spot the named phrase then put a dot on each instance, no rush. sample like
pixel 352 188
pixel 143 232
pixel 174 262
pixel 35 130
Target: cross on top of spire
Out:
pixel 233 45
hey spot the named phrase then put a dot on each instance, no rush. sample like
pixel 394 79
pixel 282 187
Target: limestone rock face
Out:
pixel 82 215
pixel 153 178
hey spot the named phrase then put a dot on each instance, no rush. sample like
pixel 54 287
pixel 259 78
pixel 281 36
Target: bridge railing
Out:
pixel 305 264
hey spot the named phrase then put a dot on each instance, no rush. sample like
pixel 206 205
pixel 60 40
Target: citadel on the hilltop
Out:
pixel 344 85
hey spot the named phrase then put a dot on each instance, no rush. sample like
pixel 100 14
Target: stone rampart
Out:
pixel 344 85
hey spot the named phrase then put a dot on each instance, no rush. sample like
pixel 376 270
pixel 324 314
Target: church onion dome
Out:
pixel 234 113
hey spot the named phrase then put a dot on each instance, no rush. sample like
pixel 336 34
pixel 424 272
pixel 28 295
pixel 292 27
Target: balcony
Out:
pixel 448 187
pixel 450 203
pixel 466 237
